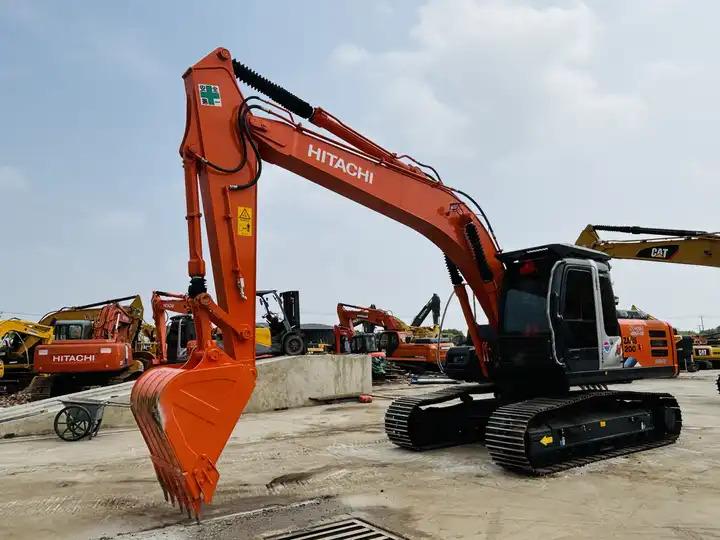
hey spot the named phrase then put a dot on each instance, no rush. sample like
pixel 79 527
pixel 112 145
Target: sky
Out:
pixel 553 114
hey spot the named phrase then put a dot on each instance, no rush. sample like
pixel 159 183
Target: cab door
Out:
pixel 575 321
pixel 608 325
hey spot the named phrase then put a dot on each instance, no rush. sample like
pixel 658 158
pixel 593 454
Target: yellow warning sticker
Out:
pixel 547 439
pixel 603 423
pixel 244 226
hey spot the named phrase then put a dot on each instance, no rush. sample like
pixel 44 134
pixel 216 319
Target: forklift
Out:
pixel 286 337
pixel 285 333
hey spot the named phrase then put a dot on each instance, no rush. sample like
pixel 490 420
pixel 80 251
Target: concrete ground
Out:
pixel 295 468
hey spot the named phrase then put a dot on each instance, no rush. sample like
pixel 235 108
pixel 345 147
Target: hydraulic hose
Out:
pixel 442 322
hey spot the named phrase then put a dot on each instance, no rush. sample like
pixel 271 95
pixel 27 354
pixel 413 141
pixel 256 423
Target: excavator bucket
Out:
pixel 186 416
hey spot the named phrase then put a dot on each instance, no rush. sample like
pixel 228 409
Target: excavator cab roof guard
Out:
pixel 554 252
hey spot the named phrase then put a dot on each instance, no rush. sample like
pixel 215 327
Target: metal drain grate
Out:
pixel 349 529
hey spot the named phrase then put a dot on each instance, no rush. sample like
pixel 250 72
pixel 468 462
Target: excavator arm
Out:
pixel 432 306
pixel 187 414
pixel 698 248
pixel 350 316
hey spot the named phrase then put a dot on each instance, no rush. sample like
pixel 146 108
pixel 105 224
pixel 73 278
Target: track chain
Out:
pixel 506 429
pixel 399 415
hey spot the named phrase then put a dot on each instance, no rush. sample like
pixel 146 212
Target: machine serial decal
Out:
pixel 336 162
pixel 210 95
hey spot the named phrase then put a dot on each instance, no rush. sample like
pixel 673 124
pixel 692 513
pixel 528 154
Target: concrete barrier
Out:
pixel 284 382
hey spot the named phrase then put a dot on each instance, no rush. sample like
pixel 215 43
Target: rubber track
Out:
pixel 506 429
pixel 398 414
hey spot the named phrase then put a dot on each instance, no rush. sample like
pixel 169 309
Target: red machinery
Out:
pixel 550 309
pixel 397 339
pixel 88 352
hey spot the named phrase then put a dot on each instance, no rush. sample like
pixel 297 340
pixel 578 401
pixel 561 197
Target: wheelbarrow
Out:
pixel 79 419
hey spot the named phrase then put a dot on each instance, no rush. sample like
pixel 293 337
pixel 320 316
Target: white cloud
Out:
pixel 493 76
pixel 12 179
pixel 582 103
pixel 566 33
pixel 348 55
pixel 119 220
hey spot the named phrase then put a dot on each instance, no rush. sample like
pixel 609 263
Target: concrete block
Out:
pixel 283 383
pixel 290 381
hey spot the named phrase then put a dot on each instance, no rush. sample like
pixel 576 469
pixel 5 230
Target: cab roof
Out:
pixel 553 251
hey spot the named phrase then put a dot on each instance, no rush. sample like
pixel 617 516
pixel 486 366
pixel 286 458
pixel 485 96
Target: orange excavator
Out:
pixel 94 345
pixel 397 339
pixel 551 315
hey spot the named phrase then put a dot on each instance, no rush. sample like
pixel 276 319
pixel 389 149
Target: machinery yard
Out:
pixel 354 305
pixel 291 469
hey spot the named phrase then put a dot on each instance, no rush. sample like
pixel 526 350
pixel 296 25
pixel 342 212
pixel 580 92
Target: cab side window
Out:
pixel 612 327
pixel 578 310
pixel 579 297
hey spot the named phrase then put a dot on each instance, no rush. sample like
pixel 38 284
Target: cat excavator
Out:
pixel 679 246
pixel 550 309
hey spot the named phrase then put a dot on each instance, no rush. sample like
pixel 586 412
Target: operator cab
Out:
pixel 558 324
pixel 180 331
pixel 364 343
pixel 71 330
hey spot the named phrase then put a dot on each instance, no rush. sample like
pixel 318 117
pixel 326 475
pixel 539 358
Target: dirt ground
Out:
pixel 292 469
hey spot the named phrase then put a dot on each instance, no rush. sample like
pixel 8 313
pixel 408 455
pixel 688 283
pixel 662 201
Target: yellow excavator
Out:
pixel 679 246
pixel 18 339
pixel 698 248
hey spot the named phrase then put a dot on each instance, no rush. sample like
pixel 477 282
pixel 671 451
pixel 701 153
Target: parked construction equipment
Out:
pixel 551 313
pixel 678 246
pixel 176 337
pixel 18 340
pixel 94 345
pixel 411 346
pixel 285 333
pixel 431 307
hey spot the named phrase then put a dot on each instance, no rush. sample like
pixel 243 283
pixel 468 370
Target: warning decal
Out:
pixel 244 226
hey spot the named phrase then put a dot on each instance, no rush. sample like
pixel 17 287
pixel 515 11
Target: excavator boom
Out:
pixel 679 246
pixel 350 316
